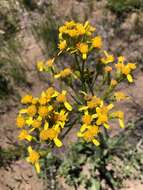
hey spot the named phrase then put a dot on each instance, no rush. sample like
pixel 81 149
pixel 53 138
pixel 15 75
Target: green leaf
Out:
pixel 95 185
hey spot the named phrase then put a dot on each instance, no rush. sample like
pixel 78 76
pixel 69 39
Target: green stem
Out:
pixel 69 128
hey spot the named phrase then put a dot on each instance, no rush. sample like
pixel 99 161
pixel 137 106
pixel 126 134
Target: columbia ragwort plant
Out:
pixel 87 100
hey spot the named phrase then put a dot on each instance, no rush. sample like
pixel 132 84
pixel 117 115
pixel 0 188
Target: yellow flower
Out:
pixel 33 158
pixel 50 134
pixel 50 92
pixel 91 104
pixel 125 69
pixel 70 24
pixel 20 121
pixel 108 58
pixel 72 33
pixel 65 73
pixel 108 69
pixel 61 118
pixel 102 114
pixel 86 120
pixel 32 110
pixel 26 99
pixel 80 29
pixel 62 45
pixel 40 66
pixel 50 62
pixel 113 82
pixel 120 96
pixel 62 29
pixel 44 110
pixel 24 135
pixel 44 134
pixel 29 121
pixel 89 29
pixel 120 116
pixel 61 98
pixel 90 133
pixel 36 124
pixel 83 48
pixel 43 100
pixel 97 42
pixel 34 101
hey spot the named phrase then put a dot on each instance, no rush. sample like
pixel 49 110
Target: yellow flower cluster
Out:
pixel 78 38
pixel 125 69
pixel 121 69
pixel 45 65
pixel 64 73
pixel 95 115
pixel 42 120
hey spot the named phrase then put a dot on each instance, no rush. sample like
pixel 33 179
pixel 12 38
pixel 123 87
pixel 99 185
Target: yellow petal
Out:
pixel 32 130
pixel 23 111
pixel 79 134
pixel 94 116
pixel 130 78
pixel 106 126
pixel 84 56
pixel 57 76
pixel 43 94
pixel 62 124
pixel 46 125
pixel 86 112
pixel 96 142
pixel 83 127
pixel 30 149
pixel 83 108
pixel 55 94
pixel 29 138
pixel 121 122
pixel 57 142
pixel 110 106
pixel 68 106
pixel 37 166
pixel 39 118
pixel 56 128
pixel 29 121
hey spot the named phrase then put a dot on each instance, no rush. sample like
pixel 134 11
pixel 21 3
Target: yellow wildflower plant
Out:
pixel 87 97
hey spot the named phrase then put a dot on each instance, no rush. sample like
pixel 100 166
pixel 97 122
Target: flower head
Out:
pixel 33 158
pixel 83 48
pixel 97 42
